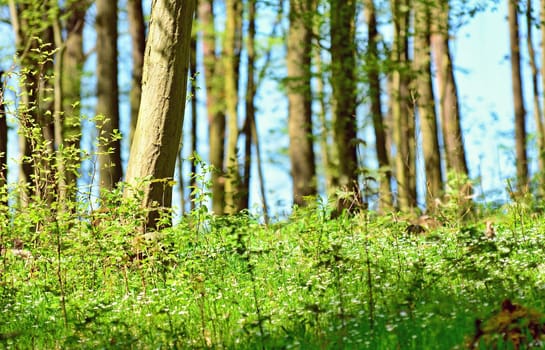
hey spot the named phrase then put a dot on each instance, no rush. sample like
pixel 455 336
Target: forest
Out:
pixel 146 146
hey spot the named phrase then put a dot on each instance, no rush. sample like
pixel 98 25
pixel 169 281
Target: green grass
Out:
pixel 233 283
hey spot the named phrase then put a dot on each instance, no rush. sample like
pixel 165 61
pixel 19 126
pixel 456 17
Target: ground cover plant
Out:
pixel 308 282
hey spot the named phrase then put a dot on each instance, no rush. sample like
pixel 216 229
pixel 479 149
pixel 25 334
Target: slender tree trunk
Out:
pixel 542 117
pixel 344 101
pixel 137 29
pixel 230 59
pixel 456 164
pixel 325 135
pixel 324 128
pixel 402 116
pixel 518 99
pixel 448 96
pixel 261 177
pixel 3 142
pixel 373 73
pixel 542 20
pixel 244 189
pixel 215 104
pixel 159 129
pixel 298 84
pixel 425 102
pixel 194 126
pixel 107 108
pixel 58 116
pixel 72 69
pixel 538 113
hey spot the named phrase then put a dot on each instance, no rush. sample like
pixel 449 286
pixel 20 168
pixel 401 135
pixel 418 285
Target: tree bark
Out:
pixel 72 70
pixel 215 104
pixel 194 125
pixel 298 86
pixel 344 100
pixel 518 99
pixel 402 113
pixel 32 26
pixel 538 112
pixel 425 102
pixel 448 95
pixel 373 73
pixel 164 84
pixel 3 142
pixel 542 21
pixel 107 108
pixel 137 29
pixel 244 189
pixel 324 133
pixel 231 53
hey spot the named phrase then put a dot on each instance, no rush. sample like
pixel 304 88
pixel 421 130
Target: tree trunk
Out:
pixel 107 108
pixel 325 131
pixel 244 190
pixel 373 74
pixel 298 86
pixel 542 21
pixel 231 59
pixel 425 102
pixel 518 99
pixel 72 69
pixel 448 96
pixel 164 84
pixel 538 112
pixel 215 104
pixel 194 126
pixel 137 29
pixel 402 115
pixel 3 143
pixel 32 26
pixel 344 101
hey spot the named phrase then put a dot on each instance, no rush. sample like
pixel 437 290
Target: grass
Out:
pixel 230 282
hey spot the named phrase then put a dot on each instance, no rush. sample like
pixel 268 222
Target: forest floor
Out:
pixel 308 282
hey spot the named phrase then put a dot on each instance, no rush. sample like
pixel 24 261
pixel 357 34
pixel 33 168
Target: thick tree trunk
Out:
pixel 298 85
pixel 32 26
pixel 159 128
pixel 344 100
pixel 518 99
pixel 215 104
pixel 137 29
pixel 107 109
pixel 385 172
pixel 425 102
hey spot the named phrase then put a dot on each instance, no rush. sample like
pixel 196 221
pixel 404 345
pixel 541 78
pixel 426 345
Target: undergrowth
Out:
pixel 309 282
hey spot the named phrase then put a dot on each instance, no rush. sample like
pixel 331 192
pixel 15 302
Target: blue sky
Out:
pixel 483 75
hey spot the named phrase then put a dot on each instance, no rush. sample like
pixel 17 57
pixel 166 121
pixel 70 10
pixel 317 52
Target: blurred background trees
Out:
pixel 368 86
